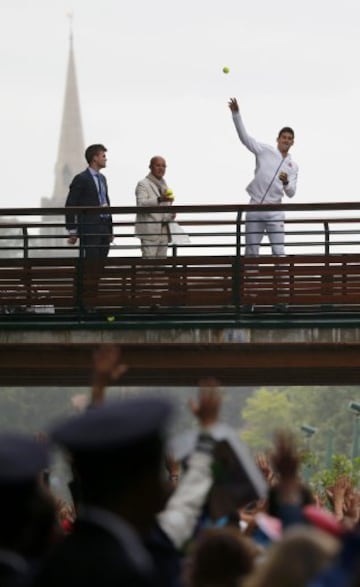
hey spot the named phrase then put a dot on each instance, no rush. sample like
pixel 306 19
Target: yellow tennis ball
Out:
pixel 110 318
pixel 226 69
pixel 169 194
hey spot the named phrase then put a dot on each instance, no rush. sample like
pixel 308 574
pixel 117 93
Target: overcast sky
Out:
pixel 150 82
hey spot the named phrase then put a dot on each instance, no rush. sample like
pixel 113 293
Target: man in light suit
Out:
pixel 89 188
pixel 153 227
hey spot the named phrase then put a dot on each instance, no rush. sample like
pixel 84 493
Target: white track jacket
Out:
pixel 266 187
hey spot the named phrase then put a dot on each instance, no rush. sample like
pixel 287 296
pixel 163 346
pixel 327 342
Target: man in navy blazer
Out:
pixel 89 188
pixel 117 453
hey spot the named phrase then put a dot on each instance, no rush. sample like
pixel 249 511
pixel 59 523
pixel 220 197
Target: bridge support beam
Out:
pixel 178 364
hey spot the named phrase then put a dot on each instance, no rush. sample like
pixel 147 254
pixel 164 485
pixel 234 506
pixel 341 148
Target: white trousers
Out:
pixel 151 248
pixel 259 223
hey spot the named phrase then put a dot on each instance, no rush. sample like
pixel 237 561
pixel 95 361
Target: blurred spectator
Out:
pixel 296 559
pixel 344 500
pixel 117 452
pixel 27 512
pixel 288 495
pixel 221 557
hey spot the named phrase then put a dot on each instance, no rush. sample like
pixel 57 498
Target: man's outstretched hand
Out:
pixel 206 408
pixel 107 362
pixel 285 458
pixel 233 105
pixel 107 368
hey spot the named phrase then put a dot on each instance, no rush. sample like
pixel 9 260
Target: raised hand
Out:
pixel 108 367
pixel 264 465
pixel 107 362
pixel 233 105
pixel 206 408
pixel 285 458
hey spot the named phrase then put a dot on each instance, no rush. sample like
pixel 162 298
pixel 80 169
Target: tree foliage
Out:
pixel 322 407
pixel 266 411
pixel 33 409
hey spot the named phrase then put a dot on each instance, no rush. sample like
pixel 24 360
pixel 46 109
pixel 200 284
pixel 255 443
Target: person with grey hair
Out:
pixel 153 227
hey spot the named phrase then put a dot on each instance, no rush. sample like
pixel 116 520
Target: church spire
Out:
pixel 70 17
pixel 70 157
pixel 70 160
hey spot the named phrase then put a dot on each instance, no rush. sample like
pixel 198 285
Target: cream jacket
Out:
pixel 148 224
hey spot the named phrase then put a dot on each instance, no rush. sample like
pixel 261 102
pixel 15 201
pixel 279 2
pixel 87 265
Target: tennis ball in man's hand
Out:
pixel 169 194
pixel 226 69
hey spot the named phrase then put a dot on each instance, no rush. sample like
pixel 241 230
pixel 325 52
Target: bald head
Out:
pixel 157 166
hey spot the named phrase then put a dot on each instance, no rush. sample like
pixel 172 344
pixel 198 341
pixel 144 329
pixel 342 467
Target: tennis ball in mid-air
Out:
pixel 226 69
pixel 110 318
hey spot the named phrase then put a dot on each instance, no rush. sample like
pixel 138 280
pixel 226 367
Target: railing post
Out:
pixel 25 242
pixel 27 275
pixel 237 264
pixel 327 279
pixel 327 237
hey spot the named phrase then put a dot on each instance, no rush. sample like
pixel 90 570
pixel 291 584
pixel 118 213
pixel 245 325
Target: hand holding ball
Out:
pixel 226 69
pixel 169 194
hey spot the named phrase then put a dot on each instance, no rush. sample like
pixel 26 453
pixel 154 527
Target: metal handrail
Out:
pixel 217 237
pixel 223 228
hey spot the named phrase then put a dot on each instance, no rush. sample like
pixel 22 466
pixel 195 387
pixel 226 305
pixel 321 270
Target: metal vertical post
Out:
pixel 237 263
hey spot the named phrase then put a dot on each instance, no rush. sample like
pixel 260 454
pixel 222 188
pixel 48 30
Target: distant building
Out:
pixel 70 160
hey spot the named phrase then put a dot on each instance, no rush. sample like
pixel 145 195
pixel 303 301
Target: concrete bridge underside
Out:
pixel 180 357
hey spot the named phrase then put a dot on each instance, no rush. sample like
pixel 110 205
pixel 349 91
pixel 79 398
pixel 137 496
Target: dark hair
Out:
pixel 94 150
pixel 221 556
pixel 286 129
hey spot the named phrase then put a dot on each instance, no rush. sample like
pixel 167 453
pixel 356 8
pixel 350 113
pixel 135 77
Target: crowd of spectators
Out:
pixel 146 512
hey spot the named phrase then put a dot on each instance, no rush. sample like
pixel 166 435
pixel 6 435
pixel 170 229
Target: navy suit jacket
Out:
pixel 91 557
pixel 83 192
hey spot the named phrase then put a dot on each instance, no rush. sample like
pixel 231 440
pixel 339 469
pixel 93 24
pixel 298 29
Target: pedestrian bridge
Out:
pixel 205 309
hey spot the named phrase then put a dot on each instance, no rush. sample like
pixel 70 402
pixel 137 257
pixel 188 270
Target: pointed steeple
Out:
pixel 70 157
pixel 70 161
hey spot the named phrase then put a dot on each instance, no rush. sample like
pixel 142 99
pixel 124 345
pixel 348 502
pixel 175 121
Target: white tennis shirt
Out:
pixel 269 164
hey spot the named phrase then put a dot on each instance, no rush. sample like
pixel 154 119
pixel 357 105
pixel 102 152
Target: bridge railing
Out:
pixel 212 229
pixel 41 273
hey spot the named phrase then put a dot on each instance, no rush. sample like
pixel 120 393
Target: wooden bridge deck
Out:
pixel 191 288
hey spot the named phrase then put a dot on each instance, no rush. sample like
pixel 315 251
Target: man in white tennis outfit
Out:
pixel 275 175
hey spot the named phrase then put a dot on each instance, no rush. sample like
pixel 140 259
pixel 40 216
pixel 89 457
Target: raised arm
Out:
pixel 249 142
pixel 107 368
pixel 183 509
